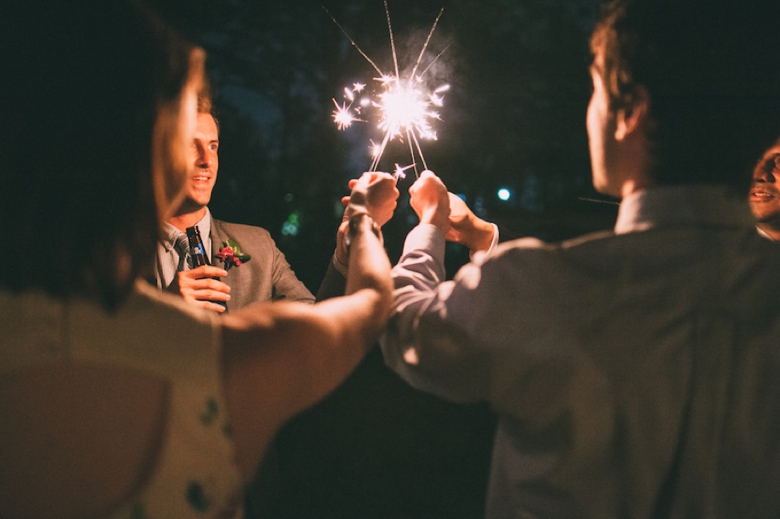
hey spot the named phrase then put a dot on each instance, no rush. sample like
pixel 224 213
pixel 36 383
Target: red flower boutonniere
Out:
pixel 231 255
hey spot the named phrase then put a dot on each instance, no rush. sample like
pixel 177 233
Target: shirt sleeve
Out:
pixel 427 342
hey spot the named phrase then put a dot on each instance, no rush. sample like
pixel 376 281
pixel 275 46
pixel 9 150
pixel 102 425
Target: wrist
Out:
pixel 482 239
pixel 340 266
pixel 434 218
pixel 358 202
pixel 357 222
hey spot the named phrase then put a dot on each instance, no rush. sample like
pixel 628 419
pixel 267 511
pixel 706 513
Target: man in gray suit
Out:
pixel 267 276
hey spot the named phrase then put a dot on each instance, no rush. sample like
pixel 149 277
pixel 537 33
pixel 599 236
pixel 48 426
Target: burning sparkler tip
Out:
pixel 342 117
pixel 400 172
pixel 403 104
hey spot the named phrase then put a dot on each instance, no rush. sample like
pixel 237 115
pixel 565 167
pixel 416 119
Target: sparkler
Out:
pixel 405 107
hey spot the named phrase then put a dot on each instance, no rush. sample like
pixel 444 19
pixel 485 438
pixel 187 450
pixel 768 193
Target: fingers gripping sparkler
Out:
pixel 405 107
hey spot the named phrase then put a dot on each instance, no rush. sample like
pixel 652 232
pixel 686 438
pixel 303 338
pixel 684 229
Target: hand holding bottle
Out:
pixel 202 287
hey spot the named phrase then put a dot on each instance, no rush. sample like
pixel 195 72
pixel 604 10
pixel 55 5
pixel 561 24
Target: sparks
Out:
pixel 375 149
pixel 342 116
pixel 404 106
pixel 400 172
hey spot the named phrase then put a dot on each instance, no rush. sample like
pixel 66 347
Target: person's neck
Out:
pixel 182 221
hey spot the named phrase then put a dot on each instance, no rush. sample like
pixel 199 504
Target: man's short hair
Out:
pixel 713 74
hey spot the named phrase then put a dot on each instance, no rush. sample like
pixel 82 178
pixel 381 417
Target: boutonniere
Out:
pixel 231 255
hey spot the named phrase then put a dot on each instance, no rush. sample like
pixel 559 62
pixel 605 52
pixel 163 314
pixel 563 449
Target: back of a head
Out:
pixel 710 68
pixel 83 85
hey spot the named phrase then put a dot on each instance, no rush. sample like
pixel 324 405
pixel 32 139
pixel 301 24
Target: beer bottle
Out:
pixel 198 254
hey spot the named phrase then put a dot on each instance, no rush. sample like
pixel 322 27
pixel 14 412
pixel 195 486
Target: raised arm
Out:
pixel 428 341
pixel 381 202
pixel 281 358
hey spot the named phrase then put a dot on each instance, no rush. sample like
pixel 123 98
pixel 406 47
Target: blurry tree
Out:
pixel 514 117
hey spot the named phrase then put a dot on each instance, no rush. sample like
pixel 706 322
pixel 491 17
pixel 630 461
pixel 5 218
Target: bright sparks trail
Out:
pixel 404 106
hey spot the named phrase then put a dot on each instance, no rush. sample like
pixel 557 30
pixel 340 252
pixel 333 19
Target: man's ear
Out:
pixel 634 115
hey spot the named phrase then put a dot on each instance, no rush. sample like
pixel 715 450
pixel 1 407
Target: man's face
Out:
pixel 204 163
pixel 765 191
pixel 601 132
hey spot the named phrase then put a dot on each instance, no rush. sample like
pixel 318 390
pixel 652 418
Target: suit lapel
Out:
pixel 218 236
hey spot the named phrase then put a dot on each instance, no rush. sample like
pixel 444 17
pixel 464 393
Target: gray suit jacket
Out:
pixel 265 277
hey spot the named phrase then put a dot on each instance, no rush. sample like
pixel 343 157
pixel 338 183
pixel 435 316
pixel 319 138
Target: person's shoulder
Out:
pixel 241 229
pixel 530 246
pixel 536 257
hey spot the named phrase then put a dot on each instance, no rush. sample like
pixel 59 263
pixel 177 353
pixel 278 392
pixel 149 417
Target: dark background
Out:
pixel 513 118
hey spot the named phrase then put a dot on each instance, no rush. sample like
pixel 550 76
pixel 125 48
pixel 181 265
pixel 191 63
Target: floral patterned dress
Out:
pixel 195 474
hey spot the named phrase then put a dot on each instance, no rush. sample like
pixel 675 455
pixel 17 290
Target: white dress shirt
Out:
pixel 635 373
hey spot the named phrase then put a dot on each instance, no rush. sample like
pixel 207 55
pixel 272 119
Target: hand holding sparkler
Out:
pixel 374 193
pixel 381 195
pixel 430 200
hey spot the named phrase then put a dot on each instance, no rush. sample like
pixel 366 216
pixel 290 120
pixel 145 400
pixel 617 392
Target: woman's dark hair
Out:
pixel 83 84
pixel 710 67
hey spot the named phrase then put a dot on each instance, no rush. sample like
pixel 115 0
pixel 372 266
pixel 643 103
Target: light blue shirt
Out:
pixel 630 370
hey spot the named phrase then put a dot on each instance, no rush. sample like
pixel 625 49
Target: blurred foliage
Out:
pixel 514 117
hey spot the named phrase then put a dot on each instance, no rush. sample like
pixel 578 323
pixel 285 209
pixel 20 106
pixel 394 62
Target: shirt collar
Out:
pixel 204 226
pixel 688 204
pixel 763 233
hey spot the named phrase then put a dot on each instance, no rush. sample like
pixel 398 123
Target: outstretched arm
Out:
pixel 428 341
pixel 279 359
pixel 380 202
